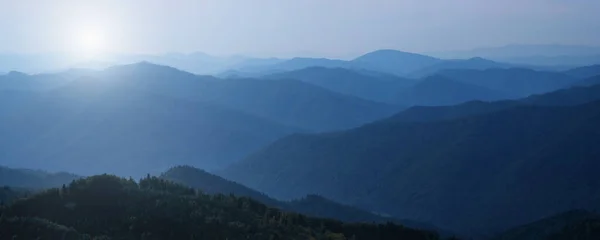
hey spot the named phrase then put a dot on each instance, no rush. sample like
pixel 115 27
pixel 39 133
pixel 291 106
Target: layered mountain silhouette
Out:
pixel 584 72
pixel 393 61
pixel 156 116
pixel 296 103
pixel 311 205
pixel 565 97
pixel 466 168
pixel 516 82
pixel 33 179
pixel 93 126
pixel 131 134
pixel 447 87
pixel 591 81
pixel 380 87
pixel 474 145
pixel 439 90
pixel 386 61
pixel 18 81
pixel 291 103
pixel 476 63
pixel 300 63
pixel 555 55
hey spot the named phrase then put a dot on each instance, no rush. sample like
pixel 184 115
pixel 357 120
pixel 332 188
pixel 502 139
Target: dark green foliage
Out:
pixel 10 194
pixel 562 224
pixel 158 209
pixel 212 184
pixel 586 230
pixel 25 228
pixel 311 205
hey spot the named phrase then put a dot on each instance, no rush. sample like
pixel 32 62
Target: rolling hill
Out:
pixel 393 61
pixel 95 125
pixel 156 116
pixel 471 63
pixel 474 174
pixel 17 81
pixel 439 91
pixel 310 205
pixel 380 88
pixel 33 179
pixel 584 72
pixel 550 227
pixel 292 103
pixel 516 82
pixel 108 207
pixel 564 97
pixel 296 103
pixel 591 81
pixel 386 61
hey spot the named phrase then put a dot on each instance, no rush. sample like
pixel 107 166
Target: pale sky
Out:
pixel 331 28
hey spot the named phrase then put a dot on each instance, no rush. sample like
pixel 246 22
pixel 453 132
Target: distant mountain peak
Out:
pixel 390 53
pixel 480 59
pixel 146 67
pixel 394 61
pixel 16 74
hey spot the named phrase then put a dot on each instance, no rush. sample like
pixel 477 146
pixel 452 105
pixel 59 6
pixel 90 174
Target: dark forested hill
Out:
pixel 112 208
pixel 483 172
pixel 311 205
pixel 9 195
pixel 585 230
pixel 381 88
pixel 212 184
pixel 560 226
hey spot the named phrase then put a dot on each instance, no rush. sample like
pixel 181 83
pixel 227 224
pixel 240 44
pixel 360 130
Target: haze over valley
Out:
pixel 300 120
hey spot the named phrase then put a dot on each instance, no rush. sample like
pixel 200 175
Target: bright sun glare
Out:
pixel 90 42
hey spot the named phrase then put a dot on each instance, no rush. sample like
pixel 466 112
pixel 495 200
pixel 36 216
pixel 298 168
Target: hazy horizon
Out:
pixel 270 28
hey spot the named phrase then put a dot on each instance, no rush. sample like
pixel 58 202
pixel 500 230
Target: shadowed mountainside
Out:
pixel 496 166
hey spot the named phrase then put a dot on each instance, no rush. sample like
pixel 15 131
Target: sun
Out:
pixel 90 42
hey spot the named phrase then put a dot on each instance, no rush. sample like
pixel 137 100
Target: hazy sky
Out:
pixel 333 28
